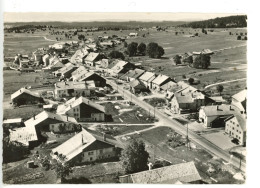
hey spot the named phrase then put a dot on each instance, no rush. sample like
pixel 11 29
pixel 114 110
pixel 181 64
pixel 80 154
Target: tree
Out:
pixel 201 61
pixel 62 171
pixel 125 44
pixel 141 48
pixel 132 48
pixel 191 81
pixel 134 157
pixel 220 88
pixel 116 55
pixel 238 37
pixel 177 59
pixel 154 50
pixel 81 37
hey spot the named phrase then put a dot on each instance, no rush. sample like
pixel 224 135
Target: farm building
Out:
pixel 92 58
pixel 137 87
pixel 78 71
pixel 24 96
pixel 65 72
pixel 85 147
pixel 159 81
pixel 92 76
pixel 214 116
pixel 72 89
pixel 120 67
pixel 147 79
pixel 82 109
pixel 132 75
pixel 168 85
pixel 42 121
pixel 25 135
pixel 174 174
pixel 239 100
pixel 235 127
pixel 79 55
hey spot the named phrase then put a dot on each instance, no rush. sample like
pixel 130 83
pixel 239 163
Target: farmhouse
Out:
pixel 159 81
pixel 132 75
pixel 24 96
pixel 137 87
pixel 78 71
pixel 65 72
pixel 79 55
pixel 214 116
pixel 173 174
pixel 120 67
pixel 169 85
pixel 82 109
pixel 147 79
pixel 239 100
pixel 42 121
pixel 85 147
pixel 88 76
pixel 92 58
pixel 235 127
pixel 25 135
pixel 72 89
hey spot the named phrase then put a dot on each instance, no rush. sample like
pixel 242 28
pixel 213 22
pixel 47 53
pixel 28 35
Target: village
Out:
pixel 84 103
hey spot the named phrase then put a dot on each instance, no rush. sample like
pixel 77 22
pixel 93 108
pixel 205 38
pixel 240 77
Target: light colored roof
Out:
pixel 16 120
pixel 23 135
pixel 184 172
pixel 91 56
pixel 48 115
pixel 146 76
pixel 217 98
pixel 79 70
pixel 75 145
pixel 219 110
pixel 169 85
pixel 75 85
pixel 62 109
pixel 241 96
pixel 135 83
pixel 66 68
pixel 21 91
pixel 160 79
pixel 133 73
pixel 80 75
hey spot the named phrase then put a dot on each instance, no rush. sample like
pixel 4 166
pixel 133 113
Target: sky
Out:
pixel 106 16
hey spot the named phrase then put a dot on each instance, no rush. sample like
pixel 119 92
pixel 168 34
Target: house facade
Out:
pixel 147 79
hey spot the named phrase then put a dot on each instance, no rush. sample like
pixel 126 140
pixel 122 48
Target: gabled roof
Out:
pixel 169 85
pixel 23 135
pixel 160 79
pixel 136 73
pixel 21 91
pixel 16 120
pixel 135 83
pixel 75 85
pixel 87 75
pixel 219 110
pixel 76 145
pixel 184 172
pixel 146 76
pixel 66 68
pixel 91 56
pixel 241 96
pixel 62 109
pixel 48 115
pixel 79 70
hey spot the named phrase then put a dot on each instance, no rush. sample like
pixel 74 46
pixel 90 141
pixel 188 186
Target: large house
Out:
pixel 65 72
pixel 215 115
pixel 78 71
pixel 147 79
pixel 79 55
pixel 73 89
pixel 236 128
pixel 239 100
pixel 24 96
pixel 85 147
pixel 137 87
pixel 182 173
pixel 120 67
pixel 88 76
pixel 24 135
pixel 42 121
pixel 91 58
pixel 132 75
pixel 159 81
pixel 82 109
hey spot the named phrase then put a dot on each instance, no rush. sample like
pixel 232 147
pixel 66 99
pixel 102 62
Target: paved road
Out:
pixel 180 128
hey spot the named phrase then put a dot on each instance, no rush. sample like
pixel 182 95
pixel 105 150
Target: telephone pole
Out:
pixel 188 144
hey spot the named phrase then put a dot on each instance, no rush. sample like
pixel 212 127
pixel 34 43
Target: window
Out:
pixel 90 158
pixel 74 110
pixel 237 125
pixel 90 153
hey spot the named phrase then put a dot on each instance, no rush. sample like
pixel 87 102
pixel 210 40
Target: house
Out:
pixel 168 85
pixel 235 127
pixel 147 79
pixel 85 147
pixel 103 63
pixel 187 102
pixel 173 174
pixel 65 72
pixel 12 123
pixel 64 127
pixel 79 55
pixel 91 58
pixel 88 76
pixel 42 121
pixel 120 67
pixel 132 75
pixel 24 135
pixel 82 109
pixel 133 34
pixel 78 71
pixel 24 96
pixel 239 100
pixel 72 89
pixel 159 81
pixel 215 115
pixel 137 87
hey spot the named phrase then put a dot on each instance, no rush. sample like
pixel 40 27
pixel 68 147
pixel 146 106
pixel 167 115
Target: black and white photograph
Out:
pixel 124 98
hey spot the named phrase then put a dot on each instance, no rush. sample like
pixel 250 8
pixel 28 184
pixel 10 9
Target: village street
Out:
pixel 179 128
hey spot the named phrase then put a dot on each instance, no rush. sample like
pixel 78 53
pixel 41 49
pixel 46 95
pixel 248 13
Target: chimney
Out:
pixel 34 116
pixel 217 107
pixel 104 136
pixel 82 140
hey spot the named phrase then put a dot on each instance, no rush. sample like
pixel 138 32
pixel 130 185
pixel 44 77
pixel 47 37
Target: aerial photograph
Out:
pixel 124 98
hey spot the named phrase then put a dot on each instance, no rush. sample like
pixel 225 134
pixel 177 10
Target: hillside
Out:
pixel 224 22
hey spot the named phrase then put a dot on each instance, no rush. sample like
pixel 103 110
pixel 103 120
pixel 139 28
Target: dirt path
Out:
pixel 225 82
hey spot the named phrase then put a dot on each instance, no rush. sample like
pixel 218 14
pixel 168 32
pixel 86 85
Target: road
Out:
pixel 212 148
pixel 225 82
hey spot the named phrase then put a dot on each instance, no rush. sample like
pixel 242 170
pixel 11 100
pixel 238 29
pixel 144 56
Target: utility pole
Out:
pixel 154 112
pixel 188 146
